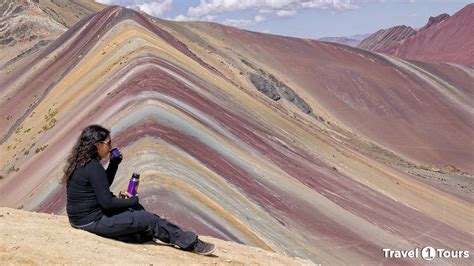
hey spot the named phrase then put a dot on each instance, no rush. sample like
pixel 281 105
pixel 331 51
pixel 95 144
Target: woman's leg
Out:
pixel 130 222
pixel 136 238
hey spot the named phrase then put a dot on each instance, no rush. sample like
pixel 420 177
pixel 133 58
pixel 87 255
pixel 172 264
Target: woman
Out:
pixel 92 207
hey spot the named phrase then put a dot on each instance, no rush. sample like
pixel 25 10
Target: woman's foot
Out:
pixel 203 248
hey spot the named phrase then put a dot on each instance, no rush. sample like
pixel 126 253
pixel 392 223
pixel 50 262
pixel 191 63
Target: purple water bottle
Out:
pixel 133 184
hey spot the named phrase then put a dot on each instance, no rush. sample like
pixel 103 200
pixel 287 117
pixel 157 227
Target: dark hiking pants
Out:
pixel 139 226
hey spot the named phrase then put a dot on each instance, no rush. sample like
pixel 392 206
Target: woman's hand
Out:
pixel 116 159
pixel 126 195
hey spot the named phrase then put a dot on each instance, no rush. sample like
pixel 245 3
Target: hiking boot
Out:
pixel 203 248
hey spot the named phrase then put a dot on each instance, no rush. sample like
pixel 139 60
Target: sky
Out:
pixel 310 19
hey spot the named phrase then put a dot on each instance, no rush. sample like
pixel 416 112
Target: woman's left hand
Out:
pixel 126 195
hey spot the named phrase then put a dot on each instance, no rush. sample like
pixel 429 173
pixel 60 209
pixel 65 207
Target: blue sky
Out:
pixel 300 18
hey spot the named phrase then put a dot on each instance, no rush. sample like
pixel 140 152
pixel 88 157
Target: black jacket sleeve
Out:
pixel 111 171
pixel 99 181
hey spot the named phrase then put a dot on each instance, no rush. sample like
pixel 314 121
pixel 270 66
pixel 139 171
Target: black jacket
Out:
pixel 89 196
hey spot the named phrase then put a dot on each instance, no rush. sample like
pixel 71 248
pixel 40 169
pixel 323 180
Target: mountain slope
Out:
pixel 24 28
pixel 386 38
pixel 27 27
pixel 69 13
pixel 391 102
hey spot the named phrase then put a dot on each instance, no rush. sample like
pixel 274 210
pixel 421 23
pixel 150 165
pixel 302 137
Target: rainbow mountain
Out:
pixel 312 149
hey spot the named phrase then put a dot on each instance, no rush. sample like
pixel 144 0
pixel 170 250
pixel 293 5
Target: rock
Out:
pixel 264 86
pixel 276 89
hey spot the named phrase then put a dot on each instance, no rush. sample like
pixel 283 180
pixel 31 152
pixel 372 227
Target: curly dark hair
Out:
pixel 85 149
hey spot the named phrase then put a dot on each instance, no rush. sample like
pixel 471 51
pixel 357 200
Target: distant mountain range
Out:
pixel 353 40
pixel 443 39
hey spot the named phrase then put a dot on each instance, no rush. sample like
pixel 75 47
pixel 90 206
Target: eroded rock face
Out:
pixel 264 86
pixel 290 95
pixel 275 89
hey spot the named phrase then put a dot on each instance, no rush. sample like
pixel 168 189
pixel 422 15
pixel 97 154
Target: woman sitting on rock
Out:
pixel 91 205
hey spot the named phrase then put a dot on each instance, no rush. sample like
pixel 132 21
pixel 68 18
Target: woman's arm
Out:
pixel 111 171
pixel 99 181
pixel 113 165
